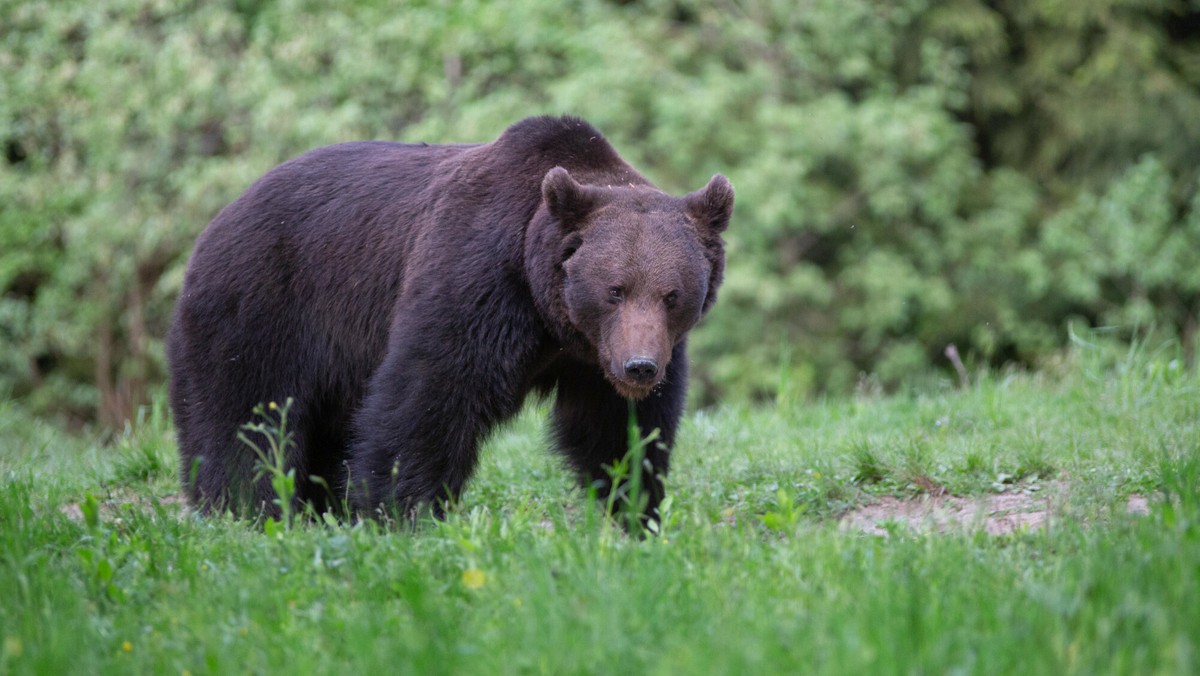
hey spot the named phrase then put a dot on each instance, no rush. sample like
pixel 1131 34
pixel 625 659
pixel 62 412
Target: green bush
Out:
pixel 909 174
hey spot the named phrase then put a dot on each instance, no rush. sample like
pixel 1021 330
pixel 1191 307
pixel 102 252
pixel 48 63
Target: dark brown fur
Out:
pixel 409 297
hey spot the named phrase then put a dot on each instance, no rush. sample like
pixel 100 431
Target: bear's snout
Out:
pixel 636 349
pixel 641 369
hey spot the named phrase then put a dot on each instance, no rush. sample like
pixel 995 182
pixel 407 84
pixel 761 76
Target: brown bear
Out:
pixel 409 297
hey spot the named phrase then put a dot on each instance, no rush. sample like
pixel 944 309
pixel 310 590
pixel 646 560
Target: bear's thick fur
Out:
pixel 409 297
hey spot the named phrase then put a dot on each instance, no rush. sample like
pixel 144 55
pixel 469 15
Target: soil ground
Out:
pixel 997 514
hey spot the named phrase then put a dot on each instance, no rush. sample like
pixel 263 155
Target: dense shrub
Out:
pixel 909 174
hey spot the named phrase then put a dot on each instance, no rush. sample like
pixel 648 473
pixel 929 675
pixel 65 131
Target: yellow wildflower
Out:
pixel 473 578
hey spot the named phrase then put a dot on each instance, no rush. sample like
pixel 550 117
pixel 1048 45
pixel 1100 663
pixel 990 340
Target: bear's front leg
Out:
pixel 591 427
pixel 442 386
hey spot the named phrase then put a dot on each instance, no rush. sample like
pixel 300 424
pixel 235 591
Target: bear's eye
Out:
pixel 615 294
pixel 671 299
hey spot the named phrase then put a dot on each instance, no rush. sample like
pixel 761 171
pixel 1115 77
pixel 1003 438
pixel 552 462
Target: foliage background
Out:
pixel 910 174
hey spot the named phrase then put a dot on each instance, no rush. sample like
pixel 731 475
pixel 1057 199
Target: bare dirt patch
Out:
pixel 998 514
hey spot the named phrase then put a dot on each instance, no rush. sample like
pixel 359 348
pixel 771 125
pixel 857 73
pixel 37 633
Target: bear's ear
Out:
pixel 712 205
pixel 570 245
pixel 567 201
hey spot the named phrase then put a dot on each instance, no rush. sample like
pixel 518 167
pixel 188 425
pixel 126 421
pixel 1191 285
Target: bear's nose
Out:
pixel 641 369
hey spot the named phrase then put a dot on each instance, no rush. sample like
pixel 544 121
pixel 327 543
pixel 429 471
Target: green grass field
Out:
pixel 102 570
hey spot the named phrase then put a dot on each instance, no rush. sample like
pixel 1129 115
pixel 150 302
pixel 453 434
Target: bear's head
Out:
pixel 638 269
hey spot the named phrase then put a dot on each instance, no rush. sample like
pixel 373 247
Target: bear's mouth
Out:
pixel 633 377
pixel 635 391
pixel 632 389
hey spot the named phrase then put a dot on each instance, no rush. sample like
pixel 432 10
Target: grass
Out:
pixel 102 571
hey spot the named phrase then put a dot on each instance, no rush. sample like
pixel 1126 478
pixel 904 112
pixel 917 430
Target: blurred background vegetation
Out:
pixel 910 174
